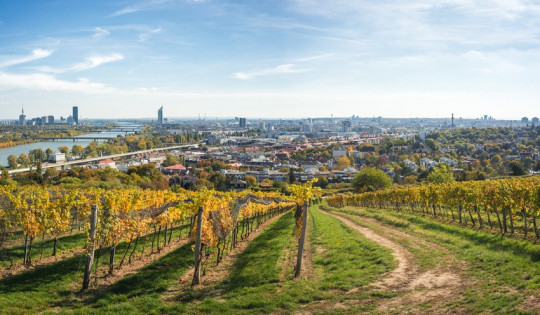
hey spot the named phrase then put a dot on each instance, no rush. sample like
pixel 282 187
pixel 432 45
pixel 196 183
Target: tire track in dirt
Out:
pixel 436 286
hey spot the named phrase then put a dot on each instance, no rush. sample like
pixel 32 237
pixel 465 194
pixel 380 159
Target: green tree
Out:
pixel 23 159
pixel 48 153
pixel 441 174
pixel 251 181
pixel 322 182
pixel 292 178
pixel 170 160
pixel 50 173
pixel 516 169
pixel 36 155
pixel 432 144
pixel 12 161
pixel 371 179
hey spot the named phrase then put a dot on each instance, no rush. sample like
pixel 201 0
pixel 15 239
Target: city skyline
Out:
pixel 290 59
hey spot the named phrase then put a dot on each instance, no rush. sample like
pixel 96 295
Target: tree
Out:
pixel 441 174
pixel 50 173
pixel 371 179
pixel 64 149
pixel 410 179
pixel 251 181
pixel 23 159
pixel 48 153
pixel 322 181
pixel 77 149
pixel 220 181
pixel 12 161
pixel 36 155
pixel 170 160
pixel 343 162
pixel 432 144
pixel 292 178
pixel 516 169
pixel 5 180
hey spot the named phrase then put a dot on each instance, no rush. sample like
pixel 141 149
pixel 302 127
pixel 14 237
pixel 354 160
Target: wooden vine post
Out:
pixel 91 248
pixel 301 240
pixel 198 249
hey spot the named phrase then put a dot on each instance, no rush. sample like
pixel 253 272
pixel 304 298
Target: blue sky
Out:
pixel 270 58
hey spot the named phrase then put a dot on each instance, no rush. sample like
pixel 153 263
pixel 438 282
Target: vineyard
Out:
pixel 127 215
pixel 510 205
pixel 432 248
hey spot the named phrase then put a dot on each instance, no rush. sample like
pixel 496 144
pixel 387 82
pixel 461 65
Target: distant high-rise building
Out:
pixel 22 118
pixel 307 127
pixel 160 116
pixel 242 123
pixel 50 119
pixel 535 120
pixel 452 125
pixel 524 120
pixel 75 115
pixel 346 126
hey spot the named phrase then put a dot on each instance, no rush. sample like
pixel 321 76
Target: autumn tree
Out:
pixel 64 149
pixel 77 149
pixel 343 162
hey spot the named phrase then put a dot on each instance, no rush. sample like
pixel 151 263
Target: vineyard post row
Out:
pixel 203 228
pixel 509 201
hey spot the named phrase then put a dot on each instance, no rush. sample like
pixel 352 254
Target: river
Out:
pixel 54 145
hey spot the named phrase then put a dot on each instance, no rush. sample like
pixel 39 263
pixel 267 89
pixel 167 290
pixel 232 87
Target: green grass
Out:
pixel 57 284
pixel 426 257
pixel 41 249
pixel 505 270
pixel 260 280
pixel 347 261
pixel 140 293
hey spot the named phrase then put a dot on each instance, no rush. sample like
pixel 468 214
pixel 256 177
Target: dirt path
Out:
pixel 434 287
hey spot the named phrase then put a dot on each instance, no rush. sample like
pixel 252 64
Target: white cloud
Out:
pixel 88 63
pixel 36 54
pixel 100 32
pixel 281 69
pixel 96 61
pixel 141 6
pixel 45 82
pixel 144 36
pixel 315 57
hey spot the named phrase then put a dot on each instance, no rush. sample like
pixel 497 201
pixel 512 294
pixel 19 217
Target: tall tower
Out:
pixel 160 116
pixel 452 126
pixel 75 115
pixel 22 118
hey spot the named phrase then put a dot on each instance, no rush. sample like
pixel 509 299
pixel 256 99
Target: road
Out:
pixel 96 159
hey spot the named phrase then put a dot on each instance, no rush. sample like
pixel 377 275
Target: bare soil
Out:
pixel 419 290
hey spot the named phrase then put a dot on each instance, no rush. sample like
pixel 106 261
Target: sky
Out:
pixel 270 58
